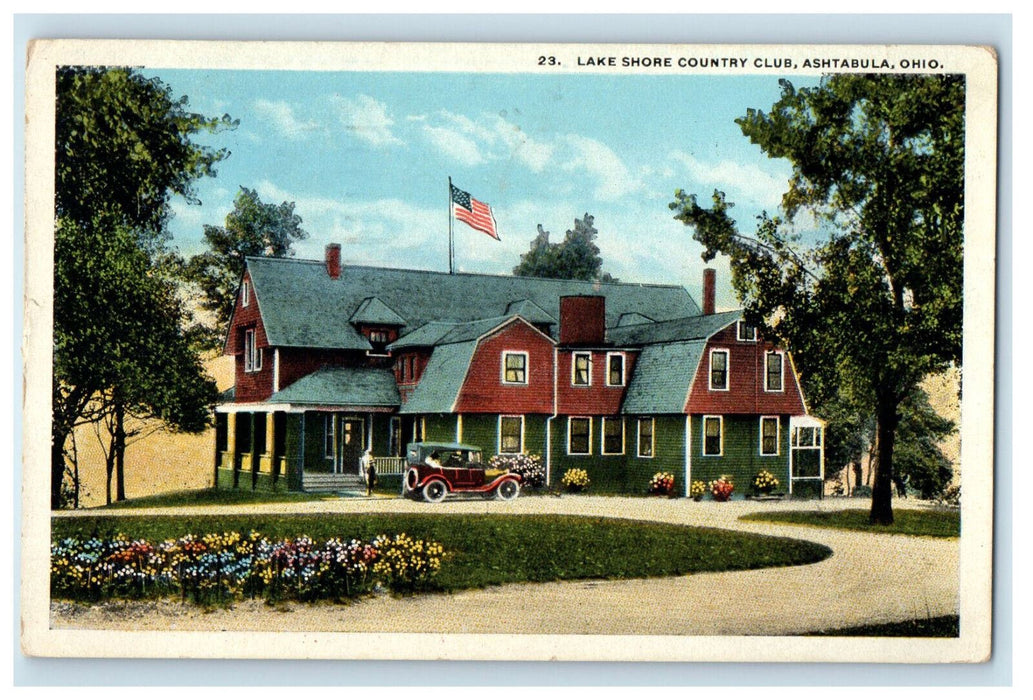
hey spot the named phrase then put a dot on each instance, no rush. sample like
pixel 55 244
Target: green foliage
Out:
pixel 870 301
pixel 253 228
pixel 923 523
pixel 124 148
pixel 486 550
pixel 944 626
pixel 576 258
pixel 919 461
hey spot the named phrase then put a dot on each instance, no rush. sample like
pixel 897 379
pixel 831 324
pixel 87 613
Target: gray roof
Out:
pixel 442 379
pixel 527 309
pixel 691 328
pixel 342 386
pixel 663 378
pixel 372 311
pixel 303 307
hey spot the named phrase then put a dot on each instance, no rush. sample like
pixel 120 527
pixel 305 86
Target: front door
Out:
pixel 350 446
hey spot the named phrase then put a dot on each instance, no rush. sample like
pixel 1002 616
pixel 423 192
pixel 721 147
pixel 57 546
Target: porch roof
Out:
pixel 342 386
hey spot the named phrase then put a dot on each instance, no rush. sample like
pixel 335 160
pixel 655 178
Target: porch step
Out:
pixel 345 484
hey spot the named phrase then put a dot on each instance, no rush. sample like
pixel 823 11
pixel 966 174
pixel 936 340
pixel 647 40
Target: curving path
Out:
pixel 870 578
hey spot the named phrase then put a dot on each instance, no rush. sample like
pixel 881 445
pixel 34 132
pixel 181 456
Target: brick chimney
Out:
pixel 583 320
pixel 709 279
pixel 333 260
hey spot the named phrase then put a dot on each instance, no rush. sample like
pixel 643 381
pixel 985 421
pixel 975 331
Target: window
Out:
pixel 773 371
pixel 579 436
pixel 419 429
pixel 252 353
pixel 395 448
pixel 719 370
pixel 514 368
pixel 511 435
pixel 769 435
pixel 615 369
pixel 412 368
pixel 645 437
pixel 245 293
pixel 613 436
pixel 582 369
pixel 745 332
pixel 328 435
pixel 712 436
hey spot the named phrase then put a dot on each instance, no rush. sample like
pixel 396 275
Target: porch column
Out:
pixel 231 435
pixel 267 459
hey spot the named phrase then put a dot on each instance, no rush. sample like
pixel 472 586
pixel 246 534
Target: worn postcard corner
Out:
pixel 523 352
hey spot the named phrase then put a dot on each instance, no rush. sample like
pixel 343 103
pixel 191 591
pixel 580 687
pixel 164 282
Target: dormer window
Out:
pixel 615 369
pixel 514 368
pixel 582 370
pixel 245 293
pixel 719 370
pixel 773 363
pixel 252 353
pixel 745 332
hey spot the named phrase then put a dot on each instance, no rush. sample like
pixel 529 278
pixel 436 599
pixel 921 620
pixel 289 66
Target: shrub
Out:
pixel 765 482
pixel 861 491
pixel 721 489
pixel 219 567
pixel 662 484
pixel 951 496
pixel 529 467
pixel 697 489
pixel 575 480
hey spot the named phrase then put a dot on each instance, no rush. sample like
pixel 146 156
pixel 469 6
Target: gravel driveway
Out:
pixel 870 578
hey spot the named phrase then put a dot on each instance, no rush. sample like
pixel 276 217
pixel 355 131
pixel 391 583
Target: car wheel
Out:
pixel 435 491
pixel 507 490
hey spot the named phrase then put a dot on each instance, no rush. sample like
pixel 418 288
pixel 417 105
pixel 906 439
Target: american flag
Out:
pixel 474 214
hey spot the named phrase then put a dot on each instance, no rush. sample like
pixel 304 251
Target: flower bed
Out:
pixel 697 489
pixel 529 467
pixel 218 568
pixel 721 489
pixel 662 484
pixel 765 482
pixel 575 480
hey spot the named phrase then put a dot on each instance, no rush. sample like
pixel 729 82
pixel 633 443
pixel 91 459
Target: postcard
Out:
pixel 509 351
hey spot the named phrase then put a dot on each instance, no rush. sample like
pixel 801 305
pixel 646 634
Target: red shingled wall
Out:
pixel 484 392
pixel 745 381
pixel 596 399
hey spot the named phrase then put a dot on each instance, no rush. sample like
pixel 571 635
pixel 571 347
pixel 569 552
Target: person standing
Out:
pixel 369 471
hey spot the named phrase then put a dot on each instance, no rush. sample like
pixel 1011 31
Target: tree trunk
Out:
pixel 109 468
pixel 882 489
pixel 57 466
pixel 120 451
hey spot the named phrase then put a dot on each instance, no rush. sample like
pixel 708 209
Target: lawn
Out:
pixel 946 626
pixel 484 550
pixel 211 497
pixel 923 523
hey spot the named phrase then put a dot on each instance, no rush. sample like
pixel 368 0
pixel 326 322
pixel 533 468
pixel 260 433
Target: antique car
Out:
pixel 436 469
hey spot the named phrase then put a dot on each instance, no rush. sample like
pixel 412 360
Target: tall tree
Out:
pixel 124 148
pixel 873 298
pixel 575 258
pixel 253 228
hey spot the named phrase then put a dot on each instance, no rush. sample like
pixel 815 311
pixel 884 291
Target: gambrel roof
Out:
pixel 302 306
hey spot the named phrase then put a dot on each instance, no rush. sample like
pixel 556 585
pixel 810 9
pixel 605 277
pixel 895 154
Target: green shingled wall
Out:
pixel 292 447
pixel 483 430
pixel 440 427
pixel 741 457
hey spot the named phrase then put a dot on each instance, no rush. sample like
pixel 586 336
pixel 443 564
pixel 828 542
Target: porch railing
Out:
pixel 389 465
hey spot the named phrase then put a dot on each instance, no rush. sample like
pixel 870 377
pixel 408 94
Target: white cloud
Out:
pixel 367 119
pixel 745 182
pixel 282 116
pixel 596 159
pixel 454 145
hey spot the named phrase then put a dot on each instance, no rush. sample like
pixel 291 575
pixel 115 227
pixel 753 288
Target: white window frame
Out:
pixel 570 420
pixel 782 370
pixel 245 293
pixel 573 368
pixel 624 368
pixel 720 435
pixel 499 435
pixel 527 369
pixel 652 438
pixel 607 420
pixel 252 353
pixel 778 437
pixel 739 326
pixel 728 369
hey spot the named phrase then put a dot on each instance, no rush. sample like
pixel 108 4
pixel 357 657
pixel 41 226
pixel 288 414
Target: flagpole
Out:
pixel 451 245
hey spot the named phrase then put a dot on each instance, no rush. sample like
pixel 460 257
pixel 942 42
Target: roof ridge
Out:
pixel 266 258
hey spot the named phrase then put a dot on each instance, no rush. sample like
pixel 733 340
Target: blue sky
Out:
pixel 366 157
